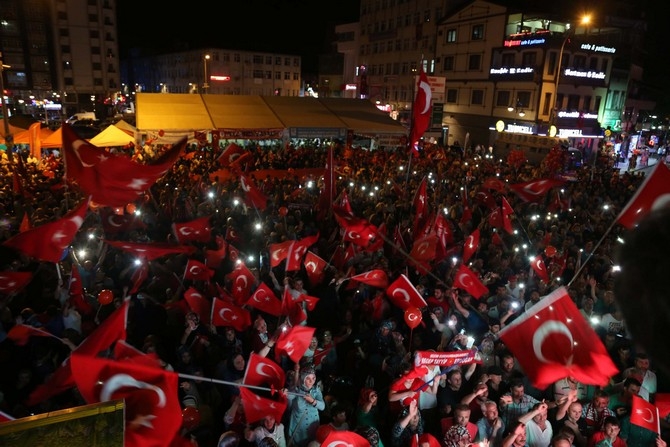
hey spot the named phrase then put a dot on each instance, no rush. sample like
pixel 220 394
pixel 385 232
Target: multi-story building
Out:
pixel 64 51
pixel 498 66
pixel 215 71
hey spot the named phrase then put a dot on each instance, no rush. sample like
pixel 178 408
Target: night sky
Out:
pixel 283 26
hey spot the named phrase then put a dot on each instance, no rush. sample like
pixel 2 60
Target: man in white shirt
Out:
pixel 538 429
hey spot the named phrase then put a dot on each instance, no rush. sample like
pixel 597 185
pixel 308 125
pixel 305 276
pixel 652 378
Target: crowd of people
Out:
pixel 348 379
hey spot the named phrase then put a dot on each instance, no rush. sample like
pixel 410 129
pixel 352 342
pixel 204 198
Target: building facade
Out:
pixel 215 71
pixel 61 51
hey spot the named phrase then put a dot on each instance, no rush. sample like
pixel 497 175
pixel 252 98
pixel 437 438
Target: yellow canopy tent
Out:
pixel 54 140
pixel 112 136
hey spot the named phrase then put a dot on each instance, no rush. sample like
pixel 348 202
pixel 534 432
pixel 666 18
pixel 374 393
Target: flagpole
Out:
pixel 225 382
pixel 590 255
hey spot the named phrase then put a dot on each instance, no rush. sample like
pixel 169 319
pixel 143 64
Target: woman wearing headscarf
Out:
pixel 304 404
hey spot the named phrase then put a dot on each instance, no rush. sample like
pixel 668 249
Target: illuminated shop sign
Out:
pixel 563 114
pixel 511 71
pixel 597 48
pixel 584 74
pixel 567 133
pixel 516 128
pixel 524 42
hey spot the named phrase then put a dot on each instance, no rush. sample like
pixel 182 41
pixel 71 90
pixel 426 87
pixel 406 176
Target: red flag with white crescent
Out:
pixel 315 267
pixel 538 266
pixel 421 110
pixel 198 304
pixel 374 278
pixel 257 407
pixel 295 341
pixel 552 340
pixel 535 190
pixel 470 245
pixel 197 271
pixel 228 314
pixel 467 280
pixel 261 371
pixel 264 299
pixel 242 282
pixel 404 295
pixel 645 414
pixel 198 230
pixel 653 193
pixel 11 282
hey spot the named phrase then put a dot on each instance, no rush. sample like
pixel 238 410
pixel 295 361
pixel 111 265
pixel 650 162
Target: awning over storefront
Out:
pixel 262 117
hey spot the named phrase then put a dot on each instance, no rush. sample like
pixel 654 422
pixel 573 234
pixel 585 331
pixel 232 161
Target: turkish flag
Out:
pixel 470 245
pixel 645 414
pixel 152 409
pixel 21 333
pixel 213 258
pixel 297 251
pixel 506 212
pixel 198 230
pixel 261 371
pixel 254 196
pixel 47 242
pixel 467 280
pixel 356 230
pixel 535 190
pixel 424 249
pixel 421 110
pixel 310 301
pixel 138 277
pixel 12 282
pixel 485 199
pixel 443 230
pixel 494 184
pixel 257 407
pixel 345 437
pixel 198 304
pixel 113 223
pixel 197 271
pixel 374 278
pixel 112 328
pixel 538 266
pixel 420 205
pixel 230 154
pixel 343 206
pixel 153 250
pixel 264 299
pixel 243 281
pixel 662 401
pixel 110 179
pixel 654 192
pixel 127 352
pixel 319 355
pixel 58 382
pixel 295 341
pixel 233 253
pixel 279 252
pixel 228 314
pixel 552 340
pixel 404 295
pixel 314 266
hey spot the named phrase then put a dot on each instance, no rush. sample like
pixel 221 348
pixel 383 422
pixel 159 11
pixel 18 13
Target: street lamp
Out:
pixel 9 138
pixel 205 85
pixel 571 31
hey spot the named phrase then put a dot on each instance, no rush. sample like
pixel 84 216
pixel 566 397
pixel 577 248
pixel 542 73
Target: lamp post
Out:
pixel 9 138
pixel 554 112
pixel 205 85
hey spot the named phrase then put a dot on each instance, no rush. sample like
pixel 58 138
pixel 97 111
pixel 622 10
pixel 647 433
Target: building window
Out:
pixel 448 64
pixel 477 32
pixel 587 103
pixel 226 57
pixel 452 95
pixel 508 60
pixel 287 76
pixel 258 59
pixel 296 61
pixel 474 62
pixel 258 74
pixel 523 99
pixel 579 62
pixel 529 58
pixel 477 98
pixel 296 76
pixel 268 74
pixel 503 98
pixel 604 65
pixel 287 61
pixel 268 60
pixel 277 60
pixel 278 75
pixel 573 102
pixel 551 65
pixel 596 106
pixel 547 103
pixel 236 57
pixel 451 35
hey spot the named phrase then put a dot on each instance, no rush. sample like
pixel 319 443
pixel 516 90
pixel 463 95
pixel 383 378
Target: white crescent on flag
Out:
pixel 546 330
